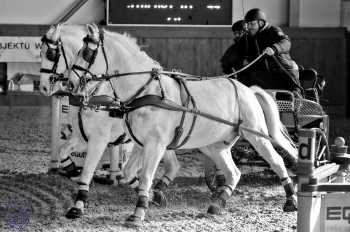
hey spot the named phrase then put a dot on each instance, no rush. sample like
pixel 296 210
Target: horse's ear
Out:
pixel 95 26
pixel 93 31
pixel 90 29
pixel 50 32
pixel 57 32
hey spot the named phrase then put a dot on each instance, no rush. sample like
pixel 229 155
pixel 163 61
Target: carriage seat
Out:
pixel 312 83
pixel 285 101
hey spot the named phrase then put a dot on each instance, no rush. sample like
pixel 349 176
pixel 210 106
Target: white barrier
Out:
pixel 56 122
pixel 322 206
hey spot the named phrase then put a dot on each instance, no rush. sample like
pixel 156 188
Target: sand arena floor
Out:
pixel 31 200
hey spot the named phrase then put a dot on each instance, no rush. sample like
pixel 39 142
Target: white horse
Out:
pixel 59 48
pixel 60 45
pixel 153 105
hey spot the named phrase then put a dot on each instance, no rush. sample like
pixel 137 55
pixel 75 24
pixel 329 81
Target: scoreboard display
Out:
pixel 169 12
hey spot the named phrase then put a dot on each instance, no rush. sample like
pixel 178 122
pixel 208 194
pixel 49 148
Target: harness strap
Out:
pixel 75 100
pixel 193 119
pixel 157 77
pixel 179 128
pixel 138 92
pixel 81 127
pixel 154 100
pixel 120 140
pixel 236 129
pixel 103 49
pixel 63 53
pixel 127 122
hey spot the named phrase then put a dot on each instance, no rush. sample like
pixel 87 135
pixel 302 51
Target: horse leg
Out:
pixel 172 166
pixel 221 155
pixel 151 155
pixel 115 169
pixel 95 149
pixel 266 150
pixel 132 166
pixel 68 166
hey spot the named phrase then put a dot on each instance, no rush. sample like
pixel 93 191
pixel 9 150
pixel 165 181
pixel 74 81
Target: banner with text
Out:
pixel 19 49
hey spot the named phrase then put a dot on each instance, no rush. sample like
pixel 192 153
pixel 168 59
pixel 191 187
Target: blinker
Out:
pixel 88 54
pixel 52 54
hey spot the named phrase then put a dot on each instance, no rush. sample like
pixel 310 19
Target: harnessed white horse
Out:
pixel 211 113
pixel 59 48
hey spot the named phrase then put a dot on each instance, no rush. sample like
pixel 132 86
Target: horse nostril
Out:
pixel 45 89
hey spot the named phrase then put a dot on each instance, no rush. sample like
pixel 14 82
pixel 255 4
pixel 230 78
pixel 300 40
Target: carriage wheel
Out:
pixel 321 150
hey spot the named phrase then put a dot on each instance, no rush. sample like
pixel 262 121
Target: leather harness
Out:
pixel 162 102
pixel 77 101
pixel 135 102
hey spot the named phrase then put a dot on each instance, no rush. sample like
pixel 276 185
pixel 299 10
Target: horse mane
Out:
pixel 130 43
pixel 78 31
pixel 71 36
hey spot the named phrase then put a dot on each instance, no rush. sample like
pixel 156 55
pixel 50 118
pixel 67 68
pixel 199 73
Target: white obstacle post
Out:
pixel 59 115
pixel 322 207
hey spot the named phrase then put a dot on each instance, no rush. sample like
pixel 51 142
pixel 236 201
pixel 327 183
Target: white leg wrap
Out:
pixel 287 181
pixel 66 162
pixel 143 193
pixel 166 180
pixel 219 172
pixel 226 189
pixel 84 187
pixel 79 205
pixel 134 184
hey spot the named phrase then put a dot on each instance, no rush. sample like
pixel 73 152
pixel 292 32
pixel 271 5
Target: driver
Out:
pixel 230 60
pixel 276 70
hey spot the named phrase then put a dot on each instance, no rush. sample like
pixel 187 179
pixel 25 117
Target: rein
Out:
pixel 186 76
pixel 134 103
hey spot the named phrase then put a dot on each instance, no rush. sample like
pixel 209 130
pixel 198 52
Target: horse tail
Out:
pixel 274 125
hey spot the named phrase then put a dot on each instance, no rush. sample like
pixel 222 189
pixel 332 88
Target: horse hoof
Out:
pixel 159 199
pixel 119 179
pixel 53 171
pixel 290 205
pixel 214 209
pixel 220 181
pixel 133 221
pixel 74 213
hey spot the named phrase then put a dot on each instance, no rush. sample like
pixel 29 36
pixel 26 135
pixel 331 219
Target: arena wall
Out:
pixel 198 50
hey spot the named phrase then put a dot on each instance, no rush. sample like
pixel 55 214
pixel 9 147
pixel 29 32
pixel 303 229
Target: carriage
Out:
pixel 89 78
pixel 296 112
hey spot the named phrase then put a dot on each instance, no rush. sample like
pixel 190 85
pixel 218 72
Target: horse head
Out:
pixel 106 53
pixel 59 46
pixel 80 74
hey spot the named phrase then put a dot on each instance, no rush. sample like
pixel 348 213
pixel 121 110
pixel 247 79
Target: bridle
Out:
pixel 89 55
pixel 53 55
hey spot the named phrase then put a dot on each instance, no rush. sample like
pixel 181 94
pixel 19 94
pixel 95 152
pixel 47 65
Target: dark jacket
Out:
pixel 231 59
pixel 269 36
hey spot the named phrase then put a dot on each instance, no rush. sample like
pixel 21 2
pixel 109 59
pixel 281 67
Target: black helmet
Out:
pixel 240 25
pixel 255 14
